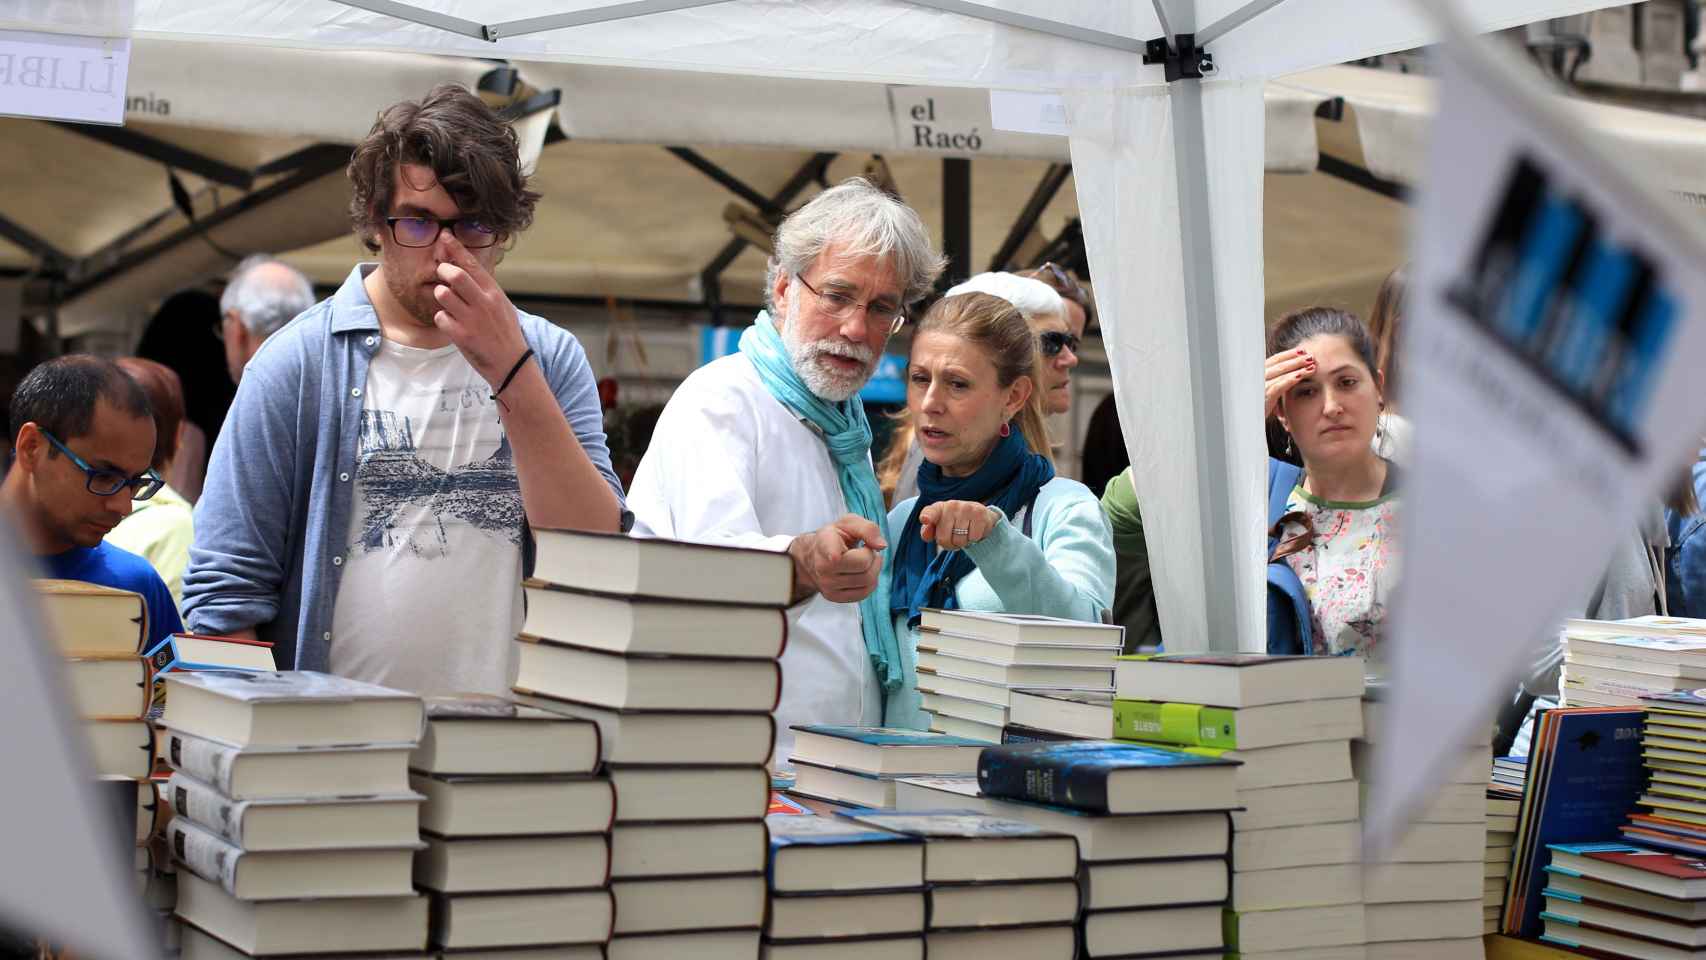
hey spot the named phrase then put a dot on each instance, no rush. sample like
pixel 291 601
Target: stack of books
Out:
pixel 1671 812
pixel 1426 895
pixel 1585 773
pixel 1504 803
pixel 292 819
pixel 517 829
pixel 840 889
pixel 969 664
pixel 1167 895
pixel 1297 881
pixel 996 888
pixel 100 632
pixel 1618 900
pixel 1614 663
pixel 859 766
pixel 671 649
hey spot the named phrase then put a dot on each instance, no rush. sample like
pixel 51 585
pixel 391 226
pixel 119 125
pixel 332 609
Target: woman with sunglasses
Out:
pixel 1060 339
pixel 1044 312
pixel 993 528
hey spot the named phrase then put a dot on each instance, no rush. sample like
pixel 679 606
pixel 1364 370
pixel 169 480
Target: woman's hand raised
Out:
pixel 1284 371
pixel 954 523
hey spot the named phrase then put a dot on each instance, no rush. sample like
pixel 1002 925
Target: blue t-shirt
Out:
pixel 111 566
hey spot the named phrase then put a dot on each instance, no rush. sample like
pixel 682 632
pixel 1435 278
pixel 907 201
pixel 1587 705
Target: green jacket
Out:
pixel 1134 591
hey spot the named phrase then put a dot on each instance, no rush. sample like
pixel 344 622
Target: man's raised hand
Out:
pixel 476 314
pixel 842 561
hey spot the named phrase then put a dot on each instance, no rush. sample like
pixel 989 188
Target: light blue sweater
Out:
pixel 1064 569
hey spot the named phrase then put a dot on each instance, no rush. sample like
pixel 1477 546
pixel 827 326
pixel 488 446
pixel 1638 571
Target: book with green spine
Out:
pixel 1184 724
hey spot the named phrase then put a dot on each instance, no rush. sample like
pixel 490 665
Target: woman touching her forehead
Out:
pixel 1337 530
pixel 992 529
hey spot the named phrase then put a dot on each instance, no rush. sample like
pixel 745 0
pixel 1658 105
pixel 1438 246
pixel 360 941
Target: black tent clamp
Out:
pixel 1184 60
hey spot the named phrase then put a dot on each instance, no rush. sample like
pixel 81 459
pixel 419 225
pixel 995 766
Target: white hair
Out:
pixel 863 221
pixel 1034 298
pixel 264 304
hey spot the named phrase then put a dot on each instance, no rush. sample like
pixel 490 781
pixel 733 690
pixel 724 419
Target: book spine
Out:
pixel 1042 779
pixel 1183 724
pixel 206 855
pixel 207 807
pixel 211 763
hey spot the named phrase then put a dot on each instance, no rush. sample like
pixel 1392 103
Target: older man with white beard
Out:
pixel 769 447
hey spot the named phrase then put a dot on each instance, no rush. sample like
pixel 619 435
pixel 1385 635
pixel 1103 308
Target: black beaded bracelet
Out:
pixel 512 372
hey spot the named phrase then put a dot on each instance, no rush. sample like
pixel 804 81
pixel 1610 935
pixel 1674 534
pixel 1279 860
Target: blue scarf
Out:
pixel 848 435
pixel 927 577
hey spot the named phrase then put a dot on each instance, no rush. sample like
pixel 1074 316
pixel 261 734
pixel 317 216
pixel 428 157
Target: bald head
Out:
pixel 264 294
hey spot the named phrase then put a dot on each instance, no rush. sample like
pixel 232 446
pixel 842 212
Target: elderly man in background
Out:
pixel 264 294
pixel 770 448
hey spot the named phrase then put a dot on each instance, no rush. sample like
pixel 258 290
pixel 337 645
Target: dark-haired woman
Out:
pixel 1324 388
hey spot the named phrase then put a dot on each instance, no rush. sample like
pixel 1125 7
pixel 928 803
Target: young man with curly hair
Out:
pixel 368 506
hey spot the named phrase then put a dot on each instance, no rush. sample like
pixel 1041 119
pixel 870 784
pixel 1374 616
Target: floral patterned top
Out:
pixel 1348 569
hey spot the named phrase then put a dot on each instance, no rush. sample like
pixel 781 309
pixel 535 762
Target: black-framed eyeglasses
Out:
pixel 424 231
pixel 105 483
pixel 840 306
pixel 1051 342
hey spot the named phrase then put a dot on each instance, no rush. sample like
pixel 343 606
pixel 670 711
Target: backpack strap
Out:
pixel 1282 479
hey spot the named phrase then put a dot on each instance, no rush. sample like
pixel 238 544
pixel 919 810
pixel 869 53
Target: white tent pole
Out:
pixel 1166 22
pixel 1211 434
pixel 1234 20
pixel 978 11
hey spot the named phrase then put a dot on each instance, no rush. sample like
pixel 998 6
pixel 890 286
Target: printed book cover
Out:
pixel 793 831
pixel 946 824
pixel 275 686
pixel 1075 773
pixel 1673 865
pixel 887 736
pixel 473 706
pixel 1585 775
pixel 1214 659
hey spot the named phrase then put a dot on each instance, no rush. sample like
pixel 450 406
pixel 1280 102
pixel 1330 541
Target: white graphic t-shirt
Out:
pixel 430 599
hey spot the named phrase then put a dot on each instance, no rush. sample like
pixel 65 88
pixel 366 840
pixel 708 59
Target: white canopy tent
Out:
pixel 1168 178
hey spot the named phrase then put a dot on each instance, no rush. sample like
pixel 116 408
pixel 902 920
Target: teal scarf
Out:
pixel 848 435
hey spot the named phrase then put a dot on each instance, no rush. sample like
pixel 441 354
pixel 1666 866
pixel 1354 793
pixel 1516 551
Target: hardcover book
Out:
pixel 1237 679
pixel 1109 777
pixel 810 853
pixel 965 847
pixel 888 751
pixel 292 708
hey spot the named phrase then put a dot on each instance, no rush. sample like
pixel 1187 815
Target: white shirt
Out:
pixel 430 596
pixel 729 464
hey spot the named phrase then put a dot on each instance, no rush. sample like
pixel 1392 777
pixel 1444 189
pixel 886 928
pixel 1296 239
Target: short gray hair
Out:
pixel 265 305
pixel 858 216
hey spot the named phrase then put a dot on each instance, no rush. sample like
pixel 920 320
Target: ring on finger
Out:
pixel 962 531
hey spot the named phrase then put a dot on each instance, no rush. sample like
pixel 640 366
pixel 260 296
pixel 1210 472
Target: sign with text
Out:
pixel 1555 326
pixel 955 122
pixel 56 76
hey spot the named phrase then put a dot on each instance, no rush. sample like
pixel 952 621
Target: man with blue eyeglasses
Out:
pixel 82 441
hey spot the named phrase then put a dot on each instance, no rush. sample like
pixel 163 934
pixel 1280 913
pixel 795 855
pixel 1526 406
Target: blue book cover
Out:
pixel 1075 773
pixel 887 736
pixel 947 824
pixel 795 831
pixel 1585 775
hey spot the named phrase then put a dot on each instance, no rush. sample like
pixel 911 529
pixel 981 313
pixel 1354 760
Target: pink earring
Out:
pixel 1006 430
